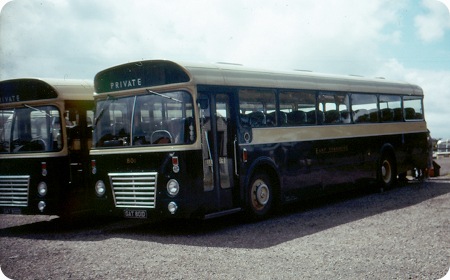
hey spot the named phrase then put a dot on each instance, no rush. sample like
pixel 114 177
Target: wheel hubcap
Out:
pixel 262 194
pixel 386 171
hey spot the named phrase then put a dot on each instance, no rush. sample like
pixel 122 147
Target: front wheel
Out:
pixel 387 172
pixel 259 196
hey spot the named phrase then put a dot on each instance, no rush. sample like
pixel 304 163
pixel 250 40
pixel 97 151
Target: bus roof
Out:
pixel 30 89
pixel 149 73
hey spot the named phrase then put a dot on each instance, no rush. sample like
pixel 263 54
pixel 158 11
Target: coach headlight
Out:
pixel 42 189
pixel 173 187
pixel 172 207
pixel 100 188
pixel 41 205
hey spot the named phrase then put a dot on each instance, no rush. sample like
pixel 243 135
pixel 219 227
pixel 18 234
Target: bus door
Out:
pixel 218 136
pixel 79 139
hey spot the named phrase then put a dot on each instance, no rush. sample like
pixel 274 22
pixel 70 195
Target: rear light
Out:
pixel 244 155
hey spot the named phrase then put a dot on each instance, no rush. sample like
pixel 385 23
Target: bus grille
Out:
pixel 134 190
pixel 14 190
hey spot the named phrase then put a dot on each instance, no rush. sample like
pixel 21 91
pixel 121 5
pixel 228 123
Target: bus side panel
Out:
pixel 312 168
pixel 54 172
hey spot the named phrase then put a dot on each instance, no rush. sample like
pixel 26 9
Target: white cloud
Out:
pixel 331 36
pixel 433 25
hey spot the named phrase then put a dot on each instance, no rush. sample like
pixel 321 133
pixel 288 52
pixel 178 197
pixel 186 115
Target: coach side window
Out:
pixel 364 108
pixel 413 108
pixel 257 107
pixel 297 108
pixel 390 108
pixel 334 107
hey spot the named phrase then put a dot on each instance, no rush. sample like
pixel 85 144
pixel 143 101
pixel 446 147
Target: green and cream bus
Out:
pixel 45 136
pixel 203 140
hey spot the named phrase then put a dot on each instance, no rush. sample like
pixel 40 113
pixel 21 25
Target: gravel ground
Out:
pixel 403 233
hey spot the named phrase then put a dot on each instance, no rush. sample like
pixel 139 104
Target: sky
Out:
pixel 405 40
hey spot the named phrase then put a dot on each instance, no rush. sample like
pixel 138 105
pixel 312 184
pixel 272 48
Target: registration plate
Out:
pixel 139 214
pixel 15 211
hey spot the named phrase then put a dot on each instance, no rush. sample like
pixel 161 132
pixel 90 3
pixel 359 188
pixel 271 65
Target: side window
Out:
pixel 334 107
pixel 297 108
pixel 5 129
pixel 390 108
pixel 413 108
pixel 364 108
pixel 257 107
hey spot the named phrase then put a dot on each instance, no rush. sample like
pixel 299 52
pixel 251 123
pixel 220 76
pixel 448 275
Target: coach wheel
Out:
pixel 260 196
pixel 387 171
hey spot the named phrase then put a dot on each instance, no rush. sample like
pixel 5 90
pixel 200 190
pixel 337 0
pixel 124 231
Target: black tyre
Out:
pixel 260 196
pixel 387 171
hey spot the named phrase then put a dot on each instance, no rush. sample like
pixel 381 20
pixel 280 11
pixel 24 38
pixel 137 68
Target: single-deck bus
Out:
pixel 45 136
pixel 204 140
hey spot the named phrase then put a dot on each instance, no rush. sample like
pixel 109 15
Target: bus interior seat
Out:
pixel 373 115
pixel 345 117
pixel 311 117
pixel 387 115
pixel 296 117
pixel 283 116
pixel 257 119
pixel 320 117
pixel 332 116
pixel 361 115
pixel 271 119
pixel 398 114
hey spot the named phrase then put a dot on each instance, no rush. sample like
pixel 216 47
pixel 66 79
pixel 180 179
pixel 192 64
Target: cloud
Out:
pixel 332 36
pixel 433 25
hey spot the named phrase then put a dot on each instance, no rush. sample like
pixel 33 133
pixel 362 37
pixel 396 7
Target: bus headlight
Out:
pixel 100 188
pixel 172 207
pixel 42 189
pixel 173 187
pixel 41 206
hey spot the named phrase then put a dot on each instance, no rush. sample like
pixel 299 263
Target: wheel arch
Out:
pixel 387 158
pixel 265 165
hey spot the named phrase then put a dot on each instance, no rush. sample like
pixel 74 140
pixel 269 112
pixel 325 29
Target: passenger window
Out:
pixel 391 108
pixel 297 108
pixel 364 108
pixel 257 108
pixel 413 108
pixel 334 107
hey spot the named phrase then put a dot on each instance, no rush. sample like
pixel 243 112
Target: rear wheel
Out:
pixel 387 171
pixel 259 196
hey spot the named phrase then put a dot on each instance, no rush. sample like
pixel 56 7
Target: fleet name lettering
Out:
pixel 9 99
pixel 329 150
pixel 126 84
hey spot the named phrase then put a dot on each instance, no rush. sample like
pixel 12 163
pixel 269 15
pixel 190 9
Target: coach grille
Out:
pixel 134 190
pixel 14 190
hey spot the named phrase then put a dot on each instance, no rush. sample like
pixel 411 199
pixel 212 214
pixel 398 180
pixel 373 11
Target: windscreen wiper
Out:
pixel 163 95
pixel 38 110
pixel 102 110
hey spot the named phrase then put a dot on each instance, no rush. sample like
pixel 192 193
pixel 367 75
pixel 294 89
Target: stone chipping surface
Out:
pixel 403 233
